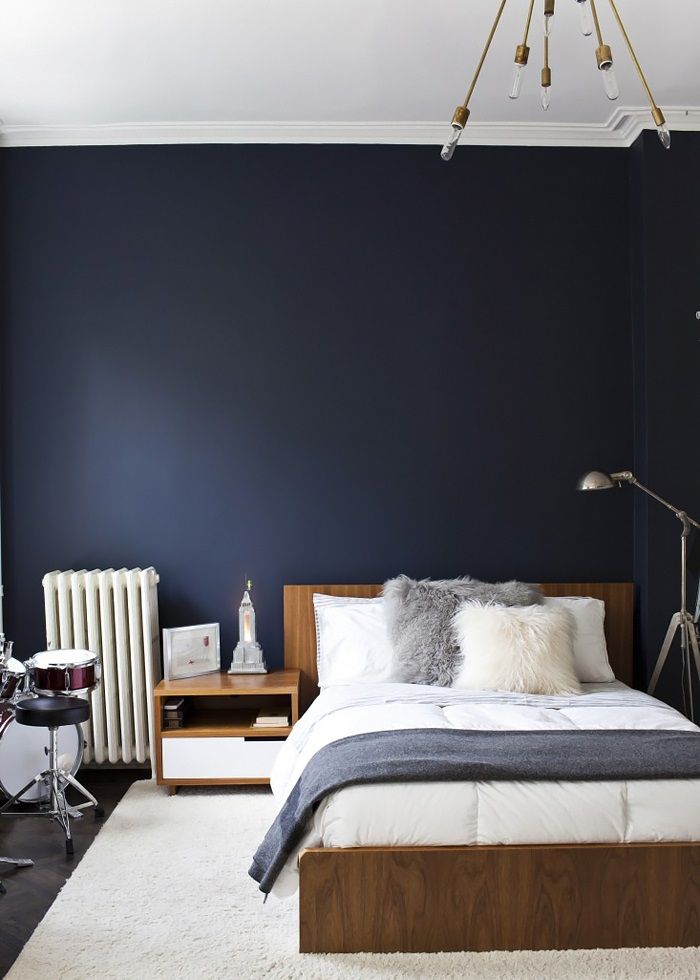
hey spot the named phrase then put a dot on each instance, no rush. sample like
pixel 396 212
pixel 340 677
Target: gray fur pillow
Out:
pixel 420 615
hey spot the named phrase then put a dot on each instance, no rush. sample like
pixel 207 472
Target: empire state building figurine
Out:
pixel 247 655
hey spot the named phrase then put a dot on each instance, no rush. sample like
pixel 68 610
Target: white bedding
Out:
pixel 484 812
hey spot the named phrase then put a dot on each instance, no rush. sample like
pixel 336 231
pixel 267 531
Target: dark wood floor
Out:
pixel 31 891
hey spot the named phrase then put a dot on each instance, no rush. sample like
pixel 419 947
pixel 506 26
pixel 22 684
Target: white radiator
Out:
pixel 114 614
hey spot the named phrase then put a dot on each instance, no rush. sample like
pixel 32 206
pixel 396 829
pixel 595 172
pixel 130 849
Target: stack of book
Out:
pixel 271 718
pixel 173 713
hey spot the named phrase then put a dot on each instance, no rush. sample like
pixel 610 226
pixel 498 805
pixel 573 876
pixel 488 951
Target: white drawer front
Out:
pixel 218 758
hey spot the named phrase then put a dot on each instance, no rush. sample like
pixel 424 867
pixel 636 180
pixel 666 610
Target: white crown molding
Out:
pixel 621 129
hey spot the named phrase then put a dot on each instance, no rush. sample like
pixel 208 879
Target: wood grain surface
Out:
pixel 508 897
pixel 233 716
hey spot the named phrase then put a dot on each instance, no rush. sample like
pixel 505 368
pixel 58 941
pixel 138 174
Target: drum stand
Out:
pixel 57 781
pixel 5 654
pixel 18 862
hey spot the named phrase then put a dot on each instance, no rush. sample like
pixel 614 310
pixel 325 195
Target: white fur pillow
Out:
pixel 516 648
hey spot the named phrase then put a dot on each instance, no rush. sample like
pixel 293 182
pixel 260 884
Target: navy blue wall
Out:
pixel 311 364
pixel 666 295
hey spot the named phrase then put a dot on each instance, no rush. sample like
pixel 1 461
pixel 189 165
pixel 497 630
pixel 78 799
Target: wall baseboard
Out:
pixel 622 128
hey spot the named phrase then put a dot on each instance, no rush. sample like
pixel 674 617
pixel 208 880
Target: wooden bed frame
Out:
pixel 427 899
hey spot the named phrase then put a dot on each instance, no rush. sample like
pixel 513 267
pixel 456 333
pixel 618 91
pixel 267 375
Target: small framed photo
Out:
pixel 191 650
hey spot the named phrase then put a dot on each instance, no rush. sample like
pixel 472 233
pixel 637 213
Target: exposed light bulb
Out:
pixel 609 81
pixel 584 12
pixel 517 80
pixel 548 18
pixel 664 135
pixel 544 98
pixel 450 146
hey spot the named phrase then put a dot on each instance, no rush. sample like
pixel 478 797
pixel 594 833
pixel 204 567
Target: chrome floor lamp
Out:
pixel 680 621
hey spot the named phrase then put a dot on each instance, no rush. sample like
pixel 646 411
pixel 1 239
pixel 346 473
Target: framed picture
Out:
pixel 191 650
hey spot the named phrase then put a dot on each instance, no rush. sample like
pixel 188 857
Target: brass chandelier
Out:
pixel 604 61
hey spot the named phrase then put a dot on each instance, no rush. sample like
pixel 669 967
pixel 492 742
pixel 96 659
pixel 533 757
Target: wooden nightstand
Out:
pixel 217 744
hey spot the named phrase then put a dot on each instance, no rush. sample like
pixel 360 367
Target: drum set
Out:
pixel 23 749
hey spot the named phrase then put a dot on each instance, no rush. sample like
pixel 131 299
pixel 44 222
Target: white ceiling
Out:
pixel 382 66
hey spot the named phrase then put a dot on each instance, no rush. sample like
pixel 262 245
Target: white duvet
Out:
pixel 392 814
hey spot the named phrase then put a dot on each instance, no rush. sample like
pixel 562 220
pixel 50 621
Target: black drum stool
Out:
pixel 53 713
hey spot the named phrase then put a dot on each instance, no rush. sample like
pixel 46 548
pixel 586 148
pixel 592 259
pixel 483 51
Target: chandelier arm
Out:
pixel 546 73
pixel 596 23
pixel 482 59
pixel 527 22
pixel 655 111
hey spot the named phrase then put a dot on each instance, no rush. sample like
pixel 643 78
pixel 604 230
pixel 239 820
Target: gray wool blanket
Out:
pixel 438 754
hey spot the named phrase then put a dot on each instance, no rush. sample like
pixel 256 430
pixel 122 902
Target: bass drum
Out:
pixel 13 674
pixel 23 755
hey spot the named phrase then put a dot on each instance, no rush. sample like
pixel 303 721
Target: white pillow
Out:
pixel 516 648
pixel 590 648
pixel 352 641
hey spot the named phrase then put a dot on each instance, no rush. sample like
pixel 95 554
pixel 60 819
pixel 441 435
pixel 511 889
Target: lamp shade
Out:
pixel 595 480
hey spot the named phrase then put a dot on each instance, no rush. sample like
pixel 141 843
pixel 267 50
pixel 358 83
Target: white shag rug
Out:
pixel 163 892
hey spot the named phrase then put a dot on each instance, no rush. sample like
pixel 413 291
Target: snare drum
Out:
pixel 12 676
pixel 23 752
pixel 63 671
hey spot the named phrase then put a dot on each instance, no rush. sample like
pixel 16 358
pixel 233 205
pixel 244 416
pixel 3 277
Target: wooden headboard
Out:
pixel 300 629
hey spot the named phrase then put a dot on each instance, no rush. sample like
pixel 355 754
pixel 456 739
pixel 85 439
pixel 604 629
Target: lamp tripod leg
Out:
pixel 670 634
pixel 687 668
pixel 694 649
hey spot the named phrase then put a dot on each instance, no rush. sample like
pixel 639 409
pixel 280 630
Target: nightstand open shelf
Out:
pixel 218 743
pixel 210 722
